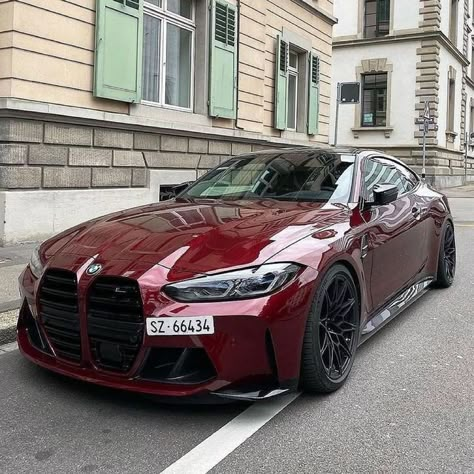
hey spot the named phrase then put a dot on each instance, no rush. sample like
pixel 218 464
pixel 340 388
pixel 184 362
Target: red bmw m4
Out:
pixel 262 277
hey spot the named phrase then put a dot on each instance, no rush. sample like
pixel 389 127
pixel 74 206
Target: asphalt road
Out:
pixel 407 407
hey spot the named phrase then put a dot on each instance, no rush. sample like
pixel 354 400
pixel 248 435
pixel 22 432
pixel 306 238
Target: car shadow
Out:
pixel 125 400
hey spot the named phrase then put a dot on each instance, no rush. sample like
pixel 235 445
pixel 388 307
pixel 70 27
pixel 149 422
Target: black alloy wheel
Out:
pixel 447 258
pixel 332 333
pixel 449 252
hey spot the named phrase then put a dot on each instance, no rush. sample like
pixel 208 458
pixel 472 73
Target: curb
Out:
pixel 9 306
pixel 7 335
pixel 7 325
pixel 10 347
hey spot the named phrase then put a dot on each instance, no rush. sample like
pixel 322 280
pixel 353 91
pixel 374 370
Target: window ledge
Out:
pixel 386 130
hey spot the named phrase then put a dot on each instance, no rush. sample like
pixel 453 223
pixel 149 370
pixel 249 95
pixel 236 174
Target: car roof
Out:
pixel 365 152
pixel 302 149
pixel 337 150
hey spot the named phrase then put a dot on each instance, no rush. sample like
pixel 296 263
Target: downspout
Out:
pixel 238 65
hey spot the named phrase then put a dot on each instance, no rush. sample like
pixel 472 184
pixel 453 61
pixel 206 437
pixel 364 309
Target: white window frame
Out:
pixel 167 17
pixel 293 71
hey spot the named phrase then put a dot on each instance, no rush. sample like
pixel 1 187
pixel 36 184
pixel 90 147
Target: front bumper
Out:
pixel 254 355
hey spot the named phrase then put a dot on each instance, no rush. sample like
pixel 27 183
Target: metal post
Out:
pixel 423 170
pixel 337 112
pixel 466 150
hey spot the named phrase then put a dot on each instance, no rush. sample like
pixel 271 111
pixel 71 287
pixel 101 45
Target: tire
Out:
pixel 446 258
pixel 324 333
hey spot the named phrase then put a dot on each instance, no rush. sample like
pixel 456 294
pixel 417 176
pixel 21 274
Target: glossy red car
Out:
pixel 263 276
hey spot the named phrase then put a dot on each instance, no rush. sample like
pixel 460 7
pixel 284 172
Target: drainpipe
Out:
pixel 238 65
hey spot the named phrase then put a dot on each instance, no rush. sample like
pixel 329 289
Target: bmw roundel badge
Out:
pixel 94 269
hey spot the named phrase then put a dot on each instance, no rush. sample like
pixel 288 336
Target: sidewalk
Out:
pixel 461 200
pixel 466 191
pixel 12 263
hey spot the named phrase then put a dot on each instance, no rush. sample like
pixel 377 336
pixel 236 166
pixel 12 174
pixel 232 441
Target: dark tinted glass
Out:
pixel 297 176
pixel 379 171
pixel 374 100
pixel 377 18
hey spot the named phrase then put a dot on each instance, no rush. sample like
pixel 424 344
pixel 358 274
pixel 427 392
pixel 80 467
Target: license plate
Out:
pixel 192 326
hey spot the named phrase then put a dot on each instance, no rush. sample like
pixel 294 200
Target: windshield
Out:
pixel 303 176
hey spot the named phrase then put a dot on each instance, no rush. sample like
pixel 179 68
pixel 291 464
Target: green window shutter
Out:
pixel 313 99
pixel 281 84
pixel 118 55
pixel 223 61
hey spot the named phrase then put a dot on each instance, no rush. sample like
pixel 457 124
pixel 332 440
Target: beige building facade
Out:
pixel 406 53
pixel 105 103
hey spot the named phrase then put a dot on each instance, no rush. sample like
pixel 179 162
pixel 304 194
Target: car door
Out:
pixel 394 234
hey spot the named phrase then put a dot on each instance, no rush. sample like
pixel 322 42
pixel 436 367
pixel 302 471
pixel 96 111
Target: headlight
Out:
pixel 240 284
pixel 36 265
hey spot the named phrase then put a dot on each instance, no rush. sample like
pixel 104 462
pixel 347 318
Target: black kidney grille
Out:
pixel 115 322
pixel 59 313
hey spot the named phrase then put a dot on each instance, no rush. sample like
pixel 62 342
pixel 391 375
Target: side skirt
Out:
pixel 402 301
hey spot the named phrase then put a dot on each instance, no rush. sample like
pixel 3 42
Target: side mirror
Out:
pixel 179 188
pixel 168 192
pixel 385 194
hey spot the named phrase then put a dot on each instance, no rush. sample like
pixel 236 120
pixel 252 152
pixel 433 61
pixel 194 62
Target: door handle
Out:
pixel 416 211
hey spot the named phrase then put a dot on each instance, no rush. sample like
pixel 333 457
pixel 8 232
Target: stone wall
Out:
pixel 56 175
pixel 444 168
pixel 48 155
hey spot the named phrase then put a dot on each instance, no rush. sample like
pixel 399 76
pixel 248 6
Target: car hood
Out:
pixel 197 237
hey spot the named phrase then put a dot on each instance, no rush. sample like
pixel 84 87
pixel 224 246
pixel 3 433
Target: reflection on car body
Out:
pixel 263 276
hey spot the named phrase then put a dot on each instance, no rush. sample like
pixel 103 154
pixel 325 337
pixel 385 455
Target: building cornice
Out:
pixel 30 110
pixel 309 5
pixel 403 37
pixel 470 82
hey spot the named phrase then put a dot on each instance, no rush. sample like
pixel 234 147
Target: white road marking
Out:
pixel 219 445
pixel 13 346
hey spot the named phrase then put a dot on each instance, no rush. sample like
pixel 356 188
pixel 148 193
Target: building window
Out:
pixel 376 18
pixel 472 63
pixel 168 51
pixel 453 22
pixel 297 81
pixel 451 103
pixel 374 100
pixel 293 73
pixel 471 124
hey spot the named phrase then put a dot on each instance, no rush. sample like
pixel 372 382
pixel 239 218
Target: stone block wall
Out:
pixel 49 155
pixel 444 168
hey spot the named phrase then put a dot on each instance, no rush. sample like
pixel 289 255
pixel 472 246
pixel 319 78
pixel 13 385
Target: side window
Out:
pixel 409 179
pixel 377 171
